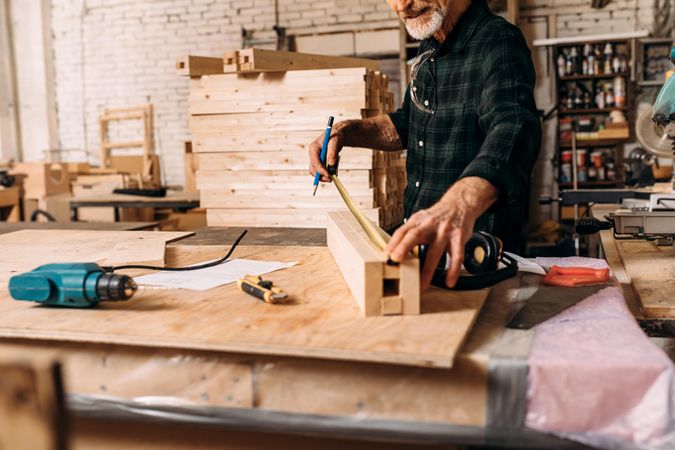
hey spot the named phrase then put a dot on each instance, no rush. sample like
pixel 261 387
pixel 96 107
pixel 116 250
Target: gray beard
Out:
pixel 422 31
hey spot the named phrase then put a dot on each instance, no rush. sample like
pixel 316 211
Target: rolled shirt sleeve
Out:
pixel 508 117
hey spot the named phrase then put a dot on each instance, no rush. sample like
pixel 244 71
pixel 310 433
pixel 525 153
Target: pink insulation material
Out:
pixel 594 377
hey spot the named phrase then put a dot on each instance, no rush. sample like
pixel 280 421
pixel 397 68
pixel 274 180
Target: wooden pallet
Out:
pixel 251 131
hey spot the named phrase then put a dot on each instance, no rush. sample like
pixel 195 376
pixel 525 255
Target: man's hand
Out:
pixel 376 132
pixel 445 227
pixel 335 144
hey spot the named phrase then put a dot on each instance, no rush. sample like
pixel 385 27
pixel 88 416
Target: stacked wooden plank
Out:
pixel 250 134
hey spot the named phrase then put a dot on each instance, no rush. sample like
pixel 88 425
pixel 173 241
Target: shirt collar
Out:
pixel 464 29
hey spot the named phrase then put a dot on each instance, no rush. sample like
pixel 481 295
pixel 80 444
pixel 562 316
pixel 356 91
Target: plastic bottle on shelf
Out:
pixel 591 64
pixel 623 62
pixel 616 64
pixel 587 100
pixel 609 98
pixel 608 53
pixel 600 98
pixel 561 65
pixel 619 92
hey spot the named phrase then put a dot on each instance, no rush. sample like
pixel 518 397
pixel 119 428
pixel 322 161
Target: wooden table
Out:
pixel 178 200
pixel 119 226
pixel 213 369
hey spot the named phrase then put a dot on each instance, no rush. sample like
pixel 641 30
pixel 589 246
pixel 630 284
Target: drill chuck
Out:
pixel 114 287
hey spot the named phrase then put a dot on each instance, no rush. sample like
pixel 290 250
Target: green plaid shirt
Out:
pixel 479 85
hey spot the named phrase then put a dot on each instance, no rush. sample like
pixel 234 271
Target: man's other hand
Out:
pixel 445 227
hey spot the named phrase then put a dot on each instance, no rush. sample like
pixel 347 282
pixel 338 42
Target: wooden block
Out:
pixel 9 203
pixel 32 413
pixel 269 141
pixel 256 122
pixel 335 78
pixel 378 289
pixel 135 164
pixel 258 60
pixel 274 180
pixel 93 185
pixel 43 178
pixel 191 167
pixel 283 199
pixel 57 205
pixel 196 66
pixel 351 158
pixel 231 61
pixel 270 217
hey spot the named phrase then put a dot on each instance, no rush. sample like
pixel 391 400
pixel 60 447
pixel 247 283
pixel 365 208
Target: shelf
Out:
pixel 594 77
pixel 590 184
pixel 595 143
pixel 572 112
pixel 654 83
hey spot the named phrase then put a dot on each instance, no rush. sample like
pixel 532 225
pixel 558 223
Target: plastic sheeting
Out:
pixel 595 377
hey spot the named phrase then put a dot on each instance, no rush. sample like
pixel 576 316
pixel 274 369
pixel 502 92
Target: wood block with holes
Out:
pixel 379 288
pixel 43 178
pixel 196 66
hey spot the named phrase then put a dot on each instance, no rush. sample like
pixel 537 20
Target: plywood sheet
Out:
pixel 27 249
pixel 322 322
pixel 651 270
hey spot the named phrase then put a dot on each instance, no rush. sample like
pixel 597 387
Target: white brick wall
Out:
pixel 111 53
pixel 114 53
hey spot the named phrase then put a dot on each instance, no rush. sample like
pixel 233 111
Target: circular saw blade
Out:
pixel 653 137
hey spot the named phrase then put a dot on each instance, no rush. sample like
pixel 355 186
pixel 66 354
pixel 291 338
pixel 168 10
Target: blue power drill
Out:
pixel 76 285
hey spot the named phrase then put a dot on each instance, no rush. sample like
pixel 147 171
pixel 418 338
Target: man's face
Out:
pixel 422 18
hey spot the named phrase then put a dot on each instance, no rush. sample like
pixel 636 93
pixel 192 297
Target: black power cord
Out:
pixel 180 269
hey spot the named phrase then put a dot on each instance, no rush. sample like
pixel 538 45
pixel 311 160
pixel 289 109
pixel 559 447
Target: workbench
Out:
pixel 176 200
pixel 217 369
pixel 646 272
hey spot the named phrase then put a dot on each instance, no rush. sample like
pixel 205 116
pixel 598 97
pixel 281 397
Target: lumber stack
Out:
pixel 250 133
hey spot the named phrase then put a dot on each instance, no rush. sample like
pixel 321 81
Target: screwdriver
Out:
pixel 324 150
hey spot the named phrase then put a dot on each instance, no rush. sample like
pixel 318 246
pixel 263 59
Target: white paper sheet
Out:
pixel 203 279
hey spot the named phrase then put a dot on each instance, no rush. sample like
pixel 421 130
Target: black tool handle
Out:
pixel 253 290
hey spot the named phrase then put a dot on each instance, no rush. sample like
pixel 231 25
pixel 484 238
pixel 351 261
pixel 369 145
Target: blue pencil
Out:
pixel 324 150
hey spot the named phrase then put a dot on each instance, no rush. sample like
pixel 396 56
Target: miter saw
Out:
pixel 653 217
pixel 644 213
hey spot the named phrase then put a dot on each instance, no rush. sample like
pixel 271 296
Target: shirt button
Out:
pixel 405 219
pixel 421 144
pixel 432 59
pixel 414 88
pixel 417 184
pixel 426 102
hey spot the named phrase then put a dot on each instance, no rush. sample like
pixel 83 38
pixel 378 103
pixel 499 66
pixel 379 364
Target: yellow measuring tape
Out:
pixel 366 224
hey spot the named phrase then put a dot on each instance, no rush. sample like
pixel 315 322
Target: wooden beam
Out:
pixel 258 60
pixel 378 288
pixel 196 66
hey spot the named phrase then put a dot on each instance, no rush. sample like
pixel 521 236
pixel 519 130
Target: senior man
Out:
pixel 469 123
